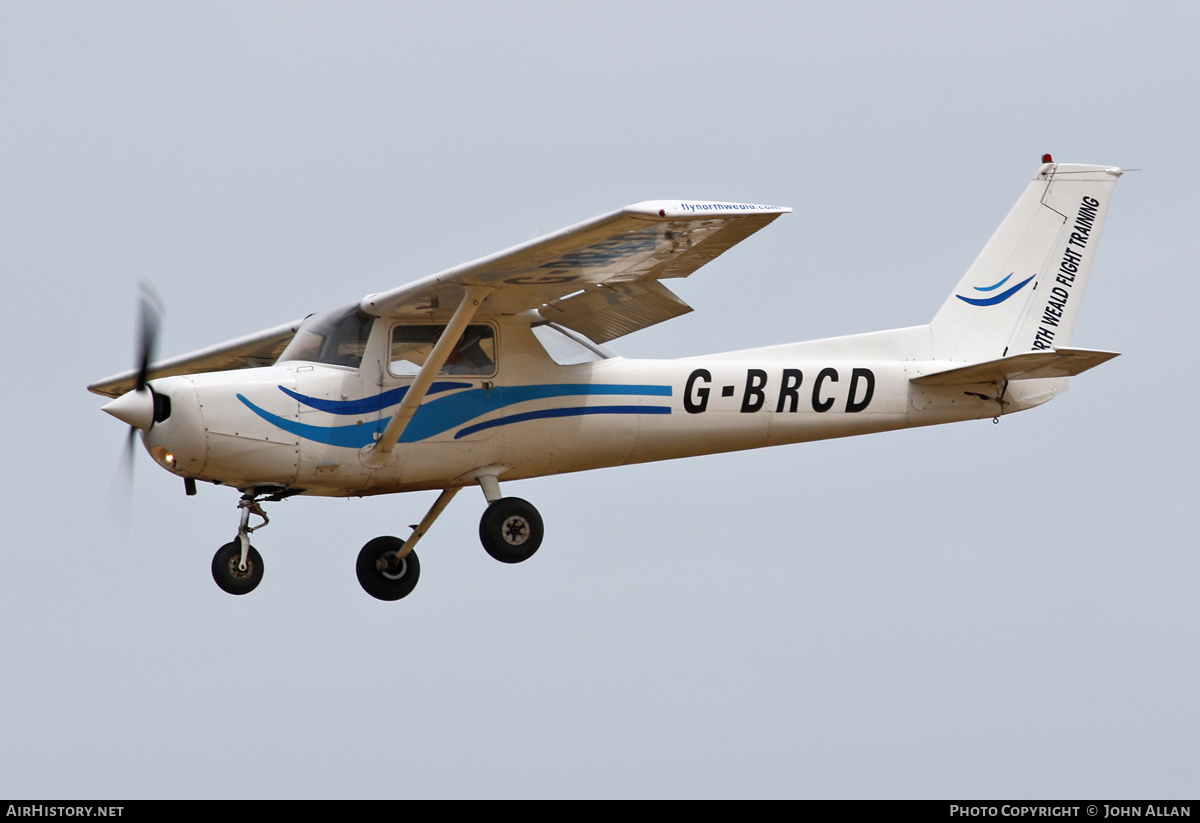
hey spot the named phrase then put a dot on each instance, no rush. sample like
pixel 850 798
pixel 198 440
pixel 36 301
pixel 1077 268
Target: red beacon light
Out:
pixel 1047 158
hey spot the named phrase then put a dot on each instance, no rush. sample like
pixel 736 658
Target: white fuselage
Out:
pixel 304 425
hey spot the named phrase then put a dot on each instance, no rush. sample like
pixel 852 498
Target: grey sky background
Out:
pixel 965 611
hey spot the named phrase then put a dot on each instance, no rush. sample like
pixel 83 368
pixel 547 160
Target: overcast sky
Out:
pixel 963 611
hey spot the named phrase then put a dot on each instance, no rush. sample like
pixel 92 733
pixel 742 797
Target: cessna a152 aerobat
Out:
pixel 495 371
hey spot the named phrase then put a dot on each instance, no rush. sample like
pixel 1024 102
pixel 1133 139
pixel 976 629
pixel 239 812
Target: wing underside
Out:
pixel 600 278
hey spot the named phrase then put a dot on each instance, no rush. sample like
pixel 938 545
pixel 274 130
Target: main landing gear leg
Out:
pixel 388 568
pixel 511 529
pixel 237 566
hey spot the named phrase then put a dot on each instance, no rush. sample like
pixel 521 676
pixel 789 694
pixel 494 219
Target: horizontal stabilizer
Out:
pixel 1030 366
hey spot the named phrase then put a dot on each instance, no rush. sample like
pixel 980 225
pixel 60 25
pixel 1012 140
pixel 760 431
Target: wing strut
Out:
pixel 380 453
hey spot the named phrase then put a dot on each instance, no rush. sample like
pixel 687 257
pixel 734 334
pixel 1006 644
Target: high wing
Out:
pixel 259 349
pixel 599 277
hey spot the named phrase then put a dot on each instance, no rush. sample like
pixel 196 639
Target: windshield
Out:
pixel 338 337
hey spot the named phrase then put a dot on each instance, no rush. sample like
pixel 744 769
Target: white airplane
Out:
pixel 493 371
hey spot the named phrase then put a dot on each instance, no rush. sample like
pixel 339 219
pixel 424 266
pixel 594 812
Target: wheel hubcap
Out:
pixel 391 567
pixel 515 530
pixel 238 574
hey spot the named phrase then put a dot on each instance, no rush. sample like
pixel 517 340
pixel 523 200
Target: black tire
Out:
pixel 229 577
pixel 374 576
pixel 511 530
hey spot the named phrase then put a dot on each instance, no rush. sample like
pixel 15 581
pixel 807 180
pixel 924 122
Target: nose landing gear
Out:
pixel 230 573
pixel 237 566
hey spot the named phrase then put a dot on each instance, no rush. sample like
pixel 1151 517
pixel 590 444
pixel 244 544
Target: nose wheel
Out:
pixel 237 566
pixel 229 572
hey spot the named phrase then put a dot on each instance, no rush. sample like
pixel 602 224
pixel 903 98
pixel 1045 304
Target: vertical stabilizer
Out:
pixel 1023 291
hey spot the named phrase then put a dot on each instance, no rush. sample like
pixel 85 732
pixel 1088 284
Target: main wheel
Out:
pixel 382 574
pixel 511 530
pixel 227 574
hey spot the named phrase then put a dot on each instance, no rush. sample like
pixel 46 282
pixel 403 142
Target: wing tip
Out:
pixel 676 209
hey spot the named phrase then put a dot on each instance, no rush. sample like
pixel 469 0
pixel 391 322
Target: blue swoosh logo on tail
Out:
pixel 996 298
pixel 995 286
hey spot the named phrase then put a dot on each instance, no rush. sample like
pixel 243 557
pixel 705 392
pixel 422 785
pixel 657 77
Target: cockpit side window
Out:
pixel 337 337
pixel 474 355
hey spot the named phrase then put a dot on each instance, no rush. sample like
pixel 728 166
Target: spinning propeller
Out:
pixel 141 407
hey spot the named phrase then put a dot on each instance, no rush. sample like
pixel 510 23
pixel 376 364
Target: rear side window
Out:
pixel 568 348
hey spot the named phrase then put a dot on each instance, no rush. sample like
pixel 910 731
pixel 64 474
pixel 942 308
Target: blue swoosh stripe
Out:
pixel 995 286
pixel 575 411
pixel 350 437
pixel 445 413
pixel 999 298
pixel 366 405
